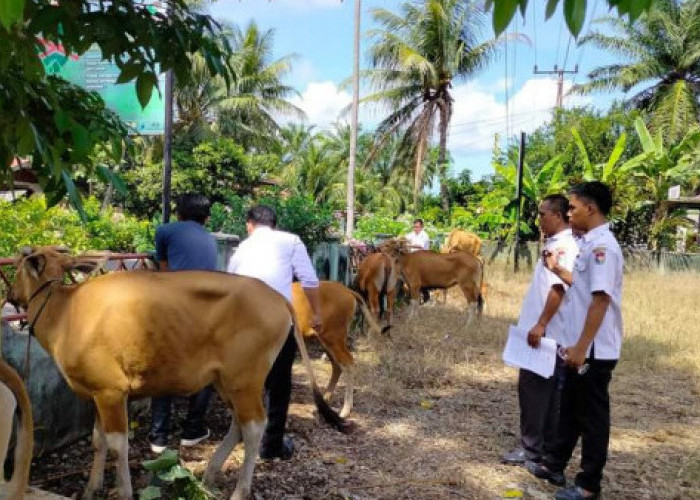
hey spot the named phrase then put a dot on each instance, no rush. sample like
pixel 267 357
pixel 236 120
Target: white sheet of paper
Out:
pixel 518 353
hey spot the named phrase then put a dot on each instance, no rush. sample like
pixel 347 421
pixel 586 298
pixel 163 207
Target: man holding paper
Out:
pixel 593 337
pixel 540 316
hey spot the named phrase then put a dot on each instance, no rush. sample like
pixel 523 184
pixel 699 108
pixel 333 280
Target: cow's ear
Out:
pixel 35 265
pixel 85 265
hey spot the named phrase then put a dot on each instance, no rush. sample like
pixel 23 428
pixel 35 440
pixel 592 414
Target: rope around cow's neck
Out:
pixel 36 318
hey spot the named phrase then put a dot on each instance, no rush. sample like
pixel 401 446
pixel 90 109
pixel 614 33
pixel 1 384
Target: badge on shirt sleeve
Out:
pixel 599 255
pixel 561 256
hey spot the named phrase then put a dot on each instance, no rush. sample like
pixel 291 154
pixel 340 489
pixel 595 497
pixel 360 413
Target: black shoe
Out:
pixel 517 456
pixel 575 493
pixel 542 472
pixel 283 451
pixel 190 438
pixel 158 443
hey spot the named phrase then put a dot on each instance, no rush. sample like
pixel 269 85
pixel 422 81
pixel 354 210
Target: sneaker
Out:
pixel 542 472
pixel 575 493
pixel 158 444
pixel 283 452
pixel 517 456
pixel 193 438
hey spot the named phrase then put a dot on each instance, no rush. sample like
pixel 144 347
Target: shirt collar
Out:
pixel 595 232
pixel 261 230
pixel 560 234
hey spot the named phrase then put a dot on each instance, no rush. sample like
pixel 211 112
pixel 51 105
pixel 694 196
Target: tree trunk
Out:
pixel 445 115
pixel 418 179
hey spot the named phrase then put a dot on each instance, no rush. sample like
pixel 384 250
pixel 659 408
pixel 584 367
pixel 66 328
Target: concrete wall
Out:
pixel 60 417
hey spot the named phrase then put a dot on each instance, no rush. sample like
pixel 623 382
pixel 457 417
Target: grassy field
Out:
pixel 435 407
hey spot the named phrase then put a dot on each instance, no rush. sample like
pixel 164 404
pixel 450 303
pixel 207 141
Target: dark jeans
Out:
pixel 161 411
pixel 585 412
pixel 539 410
pixel 278 392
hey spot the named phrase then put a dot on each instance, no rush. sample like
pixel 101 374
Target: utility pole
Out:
pixel 560 72
pixel 350 206
pixel 518 197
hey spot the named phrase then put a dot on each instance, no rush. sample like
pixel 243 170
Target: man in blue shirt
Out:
pixel 180 246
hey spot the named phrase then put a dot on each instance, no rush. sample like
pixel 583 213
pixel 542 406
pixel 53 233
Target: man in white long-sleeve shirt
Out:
pixel 277 257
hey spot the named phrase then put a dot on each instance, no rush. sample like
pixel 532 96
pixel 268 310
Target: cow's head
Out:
pixel 394 247
pixel 36 266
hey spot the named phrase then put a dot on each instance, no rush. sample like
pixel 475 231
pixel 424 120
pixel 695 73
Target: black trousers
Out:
pixel 278 392
pixel 161 411
pixel 585 413
pixel 539 410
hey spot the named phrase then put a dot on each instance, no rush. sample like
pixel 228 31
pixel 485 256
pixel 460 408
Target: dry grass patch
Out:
pixel 435 407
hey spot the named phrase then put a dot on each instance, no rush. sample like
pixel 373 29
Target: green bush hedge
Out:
pixel 27 222
pixel 296 214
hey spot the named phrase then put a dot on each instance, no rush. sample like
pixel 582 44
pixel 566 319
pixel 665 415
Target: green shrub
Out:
pixel 296 214
pixel 369 226
pixel 28 222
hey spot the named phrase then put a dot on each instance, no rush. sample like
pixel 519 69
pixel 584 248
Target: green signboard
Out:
pixel 92 73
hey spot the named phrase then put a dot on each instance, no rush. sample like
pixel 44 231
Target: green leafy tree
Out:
pixel 661 53
pixel 416 56
pixel 57 123
pixel 574 11
pixel 658 168
pixel 258 97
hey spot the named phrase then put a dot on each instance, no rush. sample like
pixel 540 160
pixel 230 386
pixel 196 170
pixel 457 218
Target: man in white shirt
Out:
pixel 277 257
pixel 541 315
pixel 593 334
pixel 418 239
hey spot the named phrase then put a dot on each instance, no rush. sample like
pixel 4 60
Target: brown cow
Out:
pixel 338 307
pixel 12 393
pixel 141 334
pixel 376 278
pixel 462 241
pixel 425 269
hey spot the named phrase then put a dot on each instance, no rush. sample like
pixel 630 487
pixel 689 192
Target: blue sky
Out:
pixel 320 33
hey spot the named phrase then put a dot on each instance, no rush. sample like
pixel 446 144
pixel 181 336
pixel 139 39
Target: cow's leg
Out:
pixel 7 412
pixel 99 444
pixel 111 407
pixel 390 299
pixel 249 409
pixel 374 302
pixel 342 361
pixel 335 375
pixel 232 438
pixel 471 302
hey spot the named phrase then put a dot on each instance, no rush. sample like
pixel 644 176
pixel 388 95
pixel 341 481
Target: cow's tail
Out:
pixel 25 434
pixel 480 296
pixel 327 413
pixel 367 315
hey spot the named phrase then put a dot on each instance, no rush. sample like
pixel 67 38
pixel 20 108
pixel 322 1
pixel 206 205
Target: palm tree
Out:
pixel 257 99
pixel 662 52
pixel 416 56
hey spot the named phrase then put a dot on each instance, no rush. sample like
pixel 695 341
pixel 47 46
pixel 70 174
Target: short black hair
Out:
pixel 559 204
pixel 262 215
pixel 193 206
pixel 594 192
pixel 419 221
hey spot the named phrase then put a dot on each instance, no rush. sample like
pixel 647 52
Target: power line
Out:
pixel 534 27
pixel 588 29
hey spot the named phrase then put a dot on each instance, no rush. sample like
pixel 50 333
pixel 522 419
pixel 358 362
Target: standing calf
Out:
pixel 338 306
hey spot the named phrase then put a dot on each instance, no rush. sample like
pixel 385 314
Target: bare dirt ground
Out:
pixel 435 407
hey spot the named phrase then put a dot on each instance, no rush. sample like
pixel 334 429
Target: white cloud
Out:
pixel 478 114
pixel 322 102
